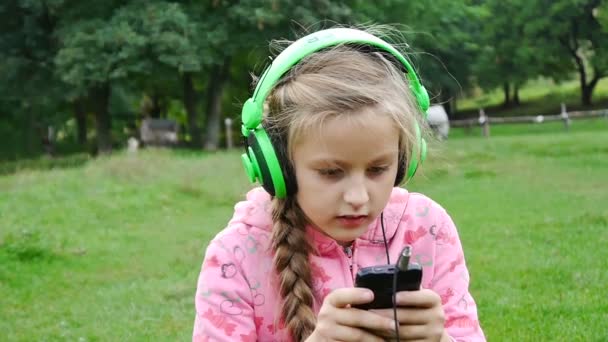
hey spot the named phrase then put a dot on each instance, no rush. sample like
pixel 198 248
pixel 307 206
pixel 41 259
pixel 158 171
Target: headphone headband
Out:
pixel 253 108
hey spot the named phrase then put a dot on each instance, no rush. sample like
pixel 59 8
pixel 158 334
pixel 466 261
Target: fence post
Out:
pixel 132 145
pixel 49 141
pixel 228 123
pixel 484 122
pixel 565 117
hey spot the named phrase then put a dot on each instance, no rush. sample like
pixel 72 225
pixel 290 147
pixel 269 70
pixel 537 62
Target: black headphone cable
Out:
pixel 388 261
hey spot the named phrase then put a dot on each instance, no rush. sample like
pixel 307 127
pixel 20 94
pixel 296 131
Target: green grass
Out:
pixel 533 218
pixel 110 250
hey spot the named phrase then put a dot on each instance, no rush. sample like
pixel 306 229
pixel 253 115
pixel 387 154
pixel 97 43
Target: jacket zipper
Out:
pixel 348 250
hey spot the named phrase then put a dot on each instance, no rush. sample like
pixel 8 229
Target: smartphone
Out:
pixel 379 279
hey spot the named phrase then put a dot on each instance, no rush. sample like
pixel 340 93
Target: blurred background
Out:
pixel 83 76
pixel 120 143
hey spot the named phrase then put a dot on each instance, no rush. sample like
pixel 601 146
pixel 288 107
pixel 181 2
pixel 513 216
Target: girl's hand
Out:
pixel 338 321
pixel 420 315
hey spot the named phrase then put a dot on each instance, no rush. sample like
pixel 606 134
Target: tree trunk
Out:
pixel 156 109
pixel 448 101
pixel 103 123
pixel 190 102
pixel 587 91
pixel 571 43
pixel 582 77
pixel 80 115
pixel 215 90
pixel 32 136
pixel 516 100
pixel 586 88
pixel 507 92
pixel 453 108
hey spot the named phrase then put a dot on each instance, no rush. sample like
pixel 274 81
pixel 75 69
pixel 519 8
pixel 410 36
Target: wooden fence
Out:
pixel 566 117
pixel 485 121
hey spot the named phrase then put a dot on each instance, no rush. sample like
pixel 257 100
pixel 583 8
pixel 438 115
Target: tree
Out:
pixel 94 54
pixel 450 48
pixel 506 59
pixel 441 39
pixel 570 30
pixel 171 55
pixel 142 40
pixel 235 28
pixel 29 88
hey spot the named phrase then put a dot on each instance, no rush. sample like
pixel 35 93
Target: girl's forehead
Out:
pixel 343 137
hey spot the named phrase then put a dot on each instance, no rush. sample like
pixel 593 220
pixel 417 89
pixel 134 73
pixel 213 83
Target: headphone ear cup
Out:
pixel 417 156
pixel 280 148
pixel 400 169
pixel 417 161
pixel 266 161
pixel 259 164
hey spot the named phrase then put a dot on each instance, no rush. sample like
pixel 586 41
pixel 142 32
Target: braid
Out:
pixel 291 264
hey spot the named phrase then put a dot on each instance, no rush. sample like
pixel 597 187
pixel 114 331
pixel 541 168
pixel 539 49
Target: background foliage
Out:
pixel 92 70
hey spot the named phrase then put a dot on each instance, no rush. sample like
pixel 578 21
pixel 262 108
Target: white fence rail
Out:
pixel 485 121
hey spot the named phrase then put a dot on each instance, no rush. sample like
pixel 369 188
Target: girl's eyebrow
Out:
pixel 384 157
pixel 387 156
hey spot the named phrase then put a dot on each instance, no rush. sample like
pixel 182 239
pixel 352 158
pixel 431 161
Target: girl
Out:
pixel 332 130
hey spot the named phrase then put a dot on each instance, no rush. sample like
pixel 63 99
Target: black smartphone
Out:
pixel 379 279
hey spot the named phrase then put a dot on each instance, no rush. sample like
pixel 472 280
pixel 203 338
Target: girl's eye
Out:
pixel 376 170
pixel 330 172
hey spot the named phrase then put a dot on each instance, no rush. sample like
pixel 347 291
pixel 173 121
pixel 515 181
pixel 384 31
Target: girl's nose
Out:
pixel 356 194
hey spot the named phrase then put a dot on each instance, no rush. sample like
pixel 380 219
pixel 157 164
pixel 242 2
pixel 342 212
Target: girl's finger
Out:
pixel 348 334
pixel 407 332
pixel 422 299
pixel 343 297
pixel 364 319
pixel 413 332
pixel 406 315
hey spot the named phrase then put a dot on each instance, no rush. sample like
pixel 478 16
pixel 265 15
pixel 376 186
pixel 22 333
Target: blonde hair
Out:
pixel 336 82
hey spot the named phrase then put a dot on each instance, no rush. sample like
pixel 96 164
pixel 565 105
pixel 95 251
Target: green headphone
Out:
pixel 265 159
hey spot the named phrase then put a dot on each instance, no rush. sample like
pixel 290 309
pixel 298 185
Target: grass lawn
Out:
pixel 110 249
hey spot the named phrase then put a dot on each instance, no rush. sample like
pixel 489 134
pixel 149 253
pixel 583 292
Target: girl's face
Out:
pixel 346 173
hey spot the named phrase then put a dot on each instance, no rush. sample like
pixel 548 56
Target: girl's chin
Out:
pixel 343 235
pixel 346 236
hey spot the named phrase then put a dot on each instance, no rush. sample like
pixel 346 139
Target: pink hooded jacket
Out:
pixel 237 298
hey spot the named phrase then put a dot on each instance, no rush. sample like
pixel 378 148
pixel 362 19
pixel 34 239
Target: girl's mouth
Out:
pixel 352 221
